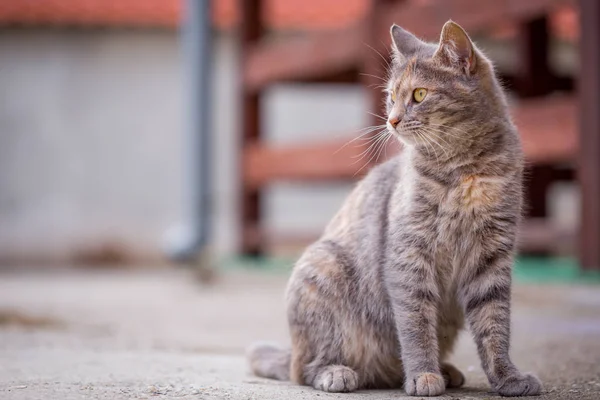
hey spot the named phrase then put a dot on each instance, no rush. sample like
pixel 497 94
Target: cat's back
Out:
pixel 363 215
pixel 342 266
pixel 356 235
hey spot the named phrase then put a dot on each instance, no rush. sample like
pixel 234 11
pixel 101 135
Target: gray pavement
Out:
pixel 114 334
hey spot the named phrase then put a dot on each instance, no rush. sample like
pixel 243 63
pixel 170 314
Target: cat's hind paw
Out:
pixel 452 376
pixel 336 378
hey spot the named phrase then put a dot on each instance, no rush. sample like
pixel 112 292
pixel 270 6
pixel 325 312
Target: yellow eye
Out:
pixel 419 94
pixel 393 96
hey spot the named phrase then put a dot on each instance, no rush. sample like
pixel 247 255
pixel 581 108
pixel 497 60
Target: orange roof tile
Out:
pixel 278 14
pixel 296 14
pixel 306 14
pixel 90 12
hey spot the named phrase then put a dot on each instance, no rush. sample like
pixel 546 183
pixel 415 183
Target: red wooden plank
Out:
pixel 318 55
pixel 426 19
pixel 307 57
pixel 548 129
pixel 547 126
pixel 250 199
pixel 313 162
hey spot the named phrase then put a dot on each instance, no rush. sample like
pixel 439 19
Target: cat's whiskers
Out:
pixel 444 129
pixel 376 86
pixel 427 141
pixel 384 147
pixel 374 76
pixel 444 132
pixel 432 136
pixel 371 149
pixel 415 131
pixel 434 128
pixel 409 126
pixel 437 134
pixel 371 127
pixel 374 140
pixel 374 137
pixel 414 127
pixel 377 115
pixel 422 141
pixel 367 130
pixel 428 135
pixel 392 136
pixel 381 147
pixel 382 142
pixel 387 63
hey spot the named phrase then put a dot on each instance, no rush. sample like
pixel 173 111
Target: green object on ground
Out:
pixel 527 269
pixel 263 264
pixel 552 270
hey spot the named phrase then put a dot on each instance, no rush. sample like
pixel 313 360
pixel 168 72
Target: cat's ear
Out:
pixel 456 49
pixel 404 43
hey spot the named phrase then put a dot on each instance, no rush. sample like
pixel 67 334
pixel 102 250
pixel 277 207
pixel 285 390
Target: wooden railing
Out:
pixel 548 124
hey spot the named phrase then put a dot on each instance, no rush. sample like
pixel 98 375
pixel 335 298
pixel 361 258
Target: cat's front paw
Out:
pixel 424 384
pixel 520 385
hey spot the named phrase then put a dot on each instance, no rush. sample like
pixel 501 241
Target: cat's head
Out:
pixel 439 96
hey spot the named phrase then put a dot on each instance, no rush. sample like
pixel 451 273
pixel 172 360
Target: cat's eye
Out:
pixel 419 94
pixel 393 96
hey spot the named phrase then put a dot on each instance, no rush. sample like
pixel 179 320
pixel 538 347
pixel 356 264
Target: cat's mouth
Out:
pixel 406 133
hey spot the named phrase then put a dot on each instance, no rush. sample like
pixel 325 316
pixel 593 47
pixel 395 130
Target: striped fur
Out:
pixel 424 243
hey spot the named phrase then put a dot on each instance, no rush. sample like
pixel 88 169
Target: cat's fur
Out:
pixel 423 243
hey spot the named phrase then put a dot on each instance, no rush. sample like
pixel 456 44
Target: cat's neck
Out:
pixel 498 155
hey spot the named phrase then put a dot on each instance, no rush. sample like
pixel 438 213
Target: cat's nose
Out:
pixel 394 120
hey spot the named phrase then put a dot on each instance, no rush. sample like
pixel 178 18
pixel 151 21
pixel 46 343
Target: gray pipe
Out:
pixel 185 243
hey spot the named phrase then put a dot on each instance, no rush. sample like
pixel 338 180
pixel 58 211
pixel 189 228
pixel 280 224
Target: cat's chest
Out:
pixel 447 214
pixel 457 210
pixel 470 198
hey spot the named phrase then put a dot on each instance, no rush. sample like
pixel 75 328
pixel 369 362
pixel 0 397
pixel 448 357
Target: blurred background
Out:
pixel 149 134
pixel 135 132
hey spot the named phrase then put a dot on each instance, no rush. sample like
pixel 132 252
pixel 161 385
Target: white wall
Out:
pixel 90 139
pixel 310 113
pixel 91 142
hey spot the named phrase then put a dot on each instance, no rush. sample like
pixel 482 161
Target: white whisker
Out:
pixel 432 136
pixel 369 130
pixel 374 76
pixel 383 147
pixel 371 148
pixel 436 134
pixel 427 142
pixel 384 137
pixel 375 139
pixel 444 129
pixel 387 63
pixel 377 115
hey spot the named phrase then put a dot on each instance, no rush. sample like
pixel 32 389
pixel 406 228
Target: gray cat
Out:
pixel 424 242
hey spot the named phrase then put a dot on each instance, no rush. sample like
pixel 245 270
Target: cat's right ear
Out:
pixel 404 43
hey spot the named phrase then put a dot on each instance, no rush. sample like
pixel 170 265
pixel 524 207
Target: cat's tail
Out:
pixel 270 361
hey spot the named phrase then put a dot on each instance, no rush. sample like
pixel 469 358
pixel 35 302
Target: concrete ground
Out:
pixel 159 334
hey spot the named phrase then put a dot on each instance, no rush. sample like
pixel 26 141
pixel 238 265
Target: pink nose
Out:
pixel 394 120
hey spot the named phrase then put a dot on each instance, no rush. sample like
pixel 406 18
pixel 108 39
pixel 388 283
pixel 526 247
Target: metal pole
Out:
pixel 189 240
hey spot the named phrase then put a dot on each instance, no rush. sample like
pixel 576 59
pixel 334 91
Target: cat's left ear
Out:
pixel 456 49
